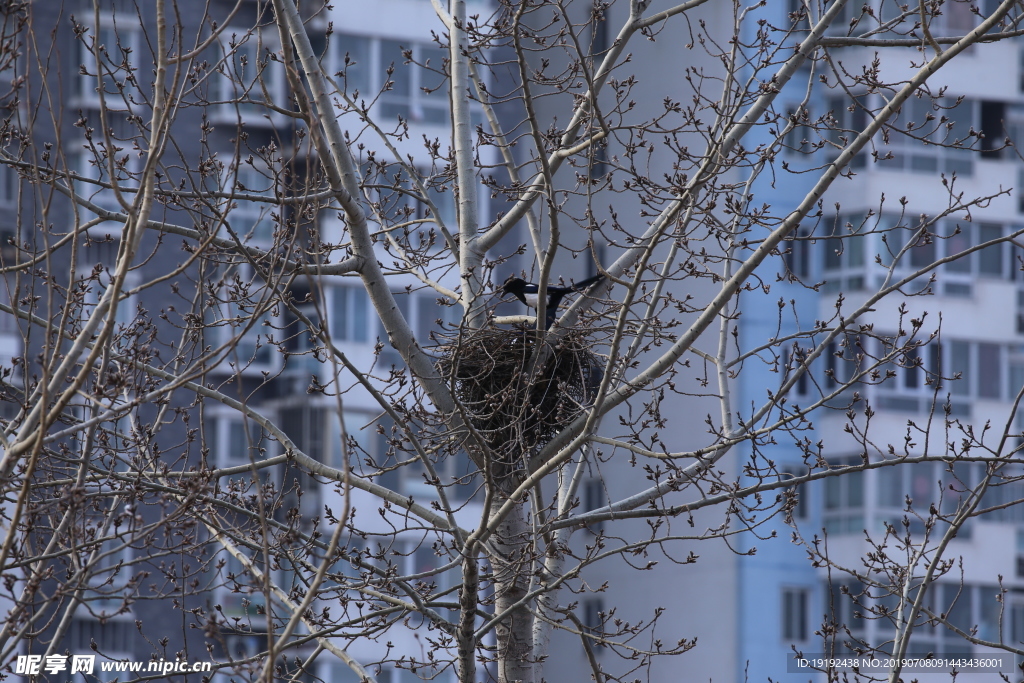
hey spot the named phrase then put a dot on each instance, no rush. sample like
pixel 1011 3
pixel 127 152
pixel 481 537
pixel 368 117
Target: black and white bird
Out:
pixel 527 292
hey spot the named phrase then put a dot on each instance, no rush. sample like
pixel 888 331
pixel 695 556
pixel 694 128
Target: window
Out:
pixel 593 499
pixel 931 136
pixel 104 549
pixel 102 152
pixel 956 18
pixel 792 360
pixel 435 314
pixel 1006 489
pixel 245 344
pixel 845 22
pixel 795 614
pixel 1016 626
pixel 598 256
pixel 418 90
pixel 599 39
pixel 118 65
pixel 916 369
pixel 9 325
pixel 966 606
pixel 1020 553
pixel 845 121
pixel 1015 375
pixel 994 261
pixel 423 559
pixel 844 254
pixel 844 602
pixel 242 442
pixel 927 486
pixel 797 13
pixel 114 443
pixel 991 262
pixel 97 262
pixel 109 572
pixel 248 78
pixel 859 251
pixel 238 593
pixel 598 160
pixel 1020 70
pixel 999 121
pixel 413 479
pixel 306 426
pixel 800 138
pixel 352 61
pixel 9 245
pixel 9 185
pixel 844 499
pixel 252 219
pixel 231 319
pixel 926 375
pixel 110 638
pixel 338 672
pixel 422 312
pixel 350 317
pixel 242 647
pixel 382 450
pixel 1020 202
pixel 440 196
pixel 593 618
pixel 842 362
pixel 361 430
pixel 989 371
pixel 801 511
pixel 598 26
pixel 399 201
pixel 796 253
pixel 994 128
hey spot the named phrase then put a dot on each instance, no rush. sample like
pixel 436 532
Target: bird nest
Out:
pixel 490 369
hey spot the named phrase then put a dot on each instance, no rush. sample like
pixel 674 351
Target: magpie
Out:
pixel 527 293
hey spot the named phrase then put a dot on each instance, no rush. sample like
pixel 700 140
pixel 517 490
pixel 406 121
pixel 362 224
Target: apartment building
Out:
pixel 756 603
pixel 972 304
pixel 749 611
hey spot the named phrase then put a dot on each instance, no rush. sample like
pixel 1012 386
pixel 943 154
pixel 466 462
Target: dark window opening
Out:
pixel 993 114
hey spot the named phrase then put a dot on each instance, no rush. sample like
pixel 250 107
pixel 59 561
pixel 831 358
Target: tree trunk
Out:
pixel 511 558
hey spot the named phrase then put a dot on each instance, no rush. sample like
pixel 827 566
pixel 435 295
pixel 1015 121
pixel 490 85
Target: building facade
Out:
pixel 748 610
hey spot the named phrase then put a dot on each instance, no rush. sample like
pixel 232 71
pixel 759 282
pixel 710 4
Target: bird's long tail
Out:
pixel 583 284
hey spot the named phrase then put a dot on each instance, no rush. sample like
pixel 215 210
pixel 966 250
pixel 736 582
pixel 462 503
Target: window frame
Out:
pixel 250 219
pixel 932 154
pixel 845 249
pixel 848 514
pixel 91 161
pixel 412 102
pixel 794 613
pixel 231 82
pixel 243 356
pixel 400 94
pixel 799 142
pixel 350 314
pixel 97 280
pixel 842 125
pixel 128 40
pixel 10 185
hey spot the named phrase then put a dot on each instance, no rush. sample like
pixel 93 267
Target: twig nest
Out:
pixel 489 370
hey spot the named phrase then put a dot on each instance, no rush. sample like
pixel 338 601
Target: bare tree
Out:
pixel 259 373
